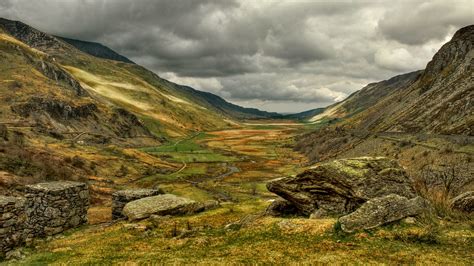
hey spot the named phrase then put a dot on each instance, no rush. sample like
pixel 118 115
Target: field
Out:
pixel 233 166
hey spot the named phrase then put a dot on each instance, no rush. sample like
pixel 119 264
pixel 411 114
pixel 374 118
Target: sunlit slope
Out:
pixel 160 106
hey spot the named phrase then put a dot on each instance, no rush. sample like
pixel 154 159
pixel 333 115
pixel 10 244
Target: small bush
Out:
pixel 78 161
pixel 404 143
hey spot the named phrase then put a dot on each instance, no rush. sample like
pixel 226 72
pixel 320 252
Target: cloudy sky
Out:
pixel 284 56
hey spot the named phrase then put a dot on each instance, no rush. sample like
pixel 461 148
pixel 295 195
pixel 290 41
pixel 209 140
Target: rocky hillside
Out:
pixel 439 99
pixel 56 68
pixel 366 97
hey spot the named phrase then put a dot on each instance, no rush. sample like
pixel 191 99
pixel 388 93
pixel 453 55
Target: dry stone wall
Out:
pixel 47 209
pixel 12 222
pixel 56 206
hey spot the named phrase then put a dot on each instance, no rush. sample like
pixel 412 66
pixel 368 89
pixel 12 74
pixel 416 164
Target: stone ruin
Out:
pixel 47 209
pixel 122 197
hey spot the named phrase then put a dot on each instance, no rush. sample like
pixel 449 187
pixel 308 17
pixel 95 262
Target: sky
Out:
pixel 283 56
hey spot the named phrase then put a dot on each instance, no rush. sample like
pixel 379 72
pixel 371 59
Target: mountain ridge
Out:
pixel 96 49
pixel 438 99
pixel 168 108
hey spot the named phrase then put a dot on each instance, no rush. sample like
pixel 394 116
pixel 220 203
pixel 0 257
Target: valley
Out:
pixel 226 165
pixel 121 165
pixel 233 166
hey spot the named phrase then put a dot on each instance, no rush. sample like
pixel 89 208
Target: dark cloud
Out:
pixel 422 21
pixel 277 54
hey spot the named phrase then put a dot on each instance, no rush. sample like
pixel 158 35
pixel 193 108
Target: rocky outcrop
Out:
pixel 58 74
pixel 464 202
pixel 341 186
pixel 30 35
pixel 127 125
pixel 166 204
pixel 54 207
pixel 56 109
pixel 381 210
pixel 122 197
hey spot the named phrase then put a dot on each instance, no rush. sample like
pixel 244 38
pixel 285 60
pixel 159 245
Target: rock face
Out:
pixel 381 210
pixel 122 197
pixel 54 207
pixel 341 186
pixel 166 204
pixel 56 109
pixel 12 223
pixel 464 202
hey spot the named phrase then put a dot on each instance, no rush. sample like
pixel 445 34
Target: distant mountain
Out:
pixel 96 49
pixel 305 115
pixel 439 99
pixel 366 97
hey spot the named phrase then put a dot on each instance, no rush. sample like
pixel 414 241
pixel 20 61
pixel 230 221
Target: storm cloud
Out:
pixel 280 56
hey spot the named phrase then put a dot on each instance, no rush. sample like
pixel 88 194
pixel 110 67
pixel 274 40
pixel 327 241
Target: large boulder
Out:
pixel 341 186
pixel 464 202
pixel 165 204
pixel 122 197
pixel 380 211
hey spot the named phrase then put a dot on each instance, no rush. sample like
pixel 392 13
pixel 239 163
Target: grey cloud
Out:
pixel 424 21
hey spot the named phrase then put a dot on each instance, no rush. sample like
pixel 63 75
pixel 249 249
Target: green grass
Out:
pixel 269 243
pixel 190 170
pixel 188 151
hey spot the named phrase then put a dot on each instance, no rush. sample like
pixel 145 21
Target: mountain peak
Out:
pixel 454 57
pixel 29 35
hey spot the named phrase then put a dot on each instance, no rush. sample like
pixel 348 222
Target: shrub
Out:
pixel 440 183
pixel 78 161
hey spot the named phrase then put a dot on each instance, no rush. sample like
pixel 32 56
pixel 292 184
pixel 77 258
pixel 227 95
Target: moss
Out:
pixel 349 167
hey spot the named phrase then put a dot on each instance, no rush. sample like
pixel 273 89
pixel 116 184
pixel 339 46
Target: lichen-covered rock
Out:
pixel 382 210
pixel 464 202
pixel 122 197
pixel 341 186
pixel 281 207
pixel 207 205
pixel 165 204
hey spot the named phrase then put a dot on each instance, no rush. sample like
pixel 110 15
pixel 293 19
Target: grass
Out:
pixel 264 240
pixel 189 151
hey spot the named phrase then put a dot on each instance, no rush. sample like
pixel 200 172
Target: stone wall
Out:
pixel 56 206
pixel 122 197
pixel 12 222
pixel 46 209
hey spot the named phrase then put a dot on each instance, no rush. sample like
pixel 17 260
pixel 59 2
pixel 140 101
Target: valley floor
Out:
pixel 233 166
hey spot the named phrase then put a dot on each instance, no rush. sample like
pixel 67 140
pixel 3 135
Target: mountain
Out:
pixel 436 100
pixel 305 115
pixel 96 49
pixel 432 109
pixel 366 97
pixel 51 83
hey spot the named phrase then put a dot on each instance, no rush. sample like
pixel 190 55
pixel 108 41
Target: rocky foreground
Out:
pixel 364 192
